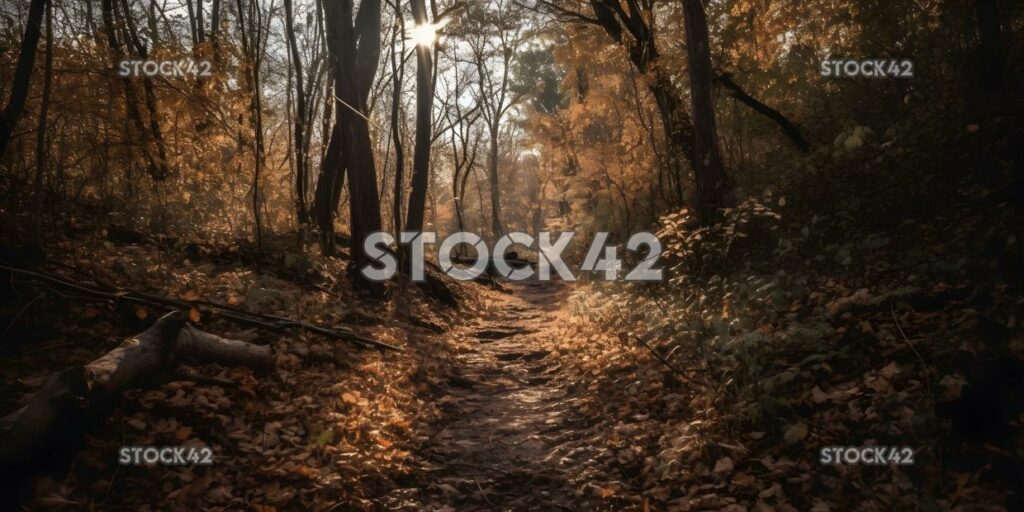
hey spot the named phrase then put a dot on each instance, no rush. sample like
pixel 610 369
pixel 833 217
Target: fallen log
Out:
pixel 225 311
pixel 40 437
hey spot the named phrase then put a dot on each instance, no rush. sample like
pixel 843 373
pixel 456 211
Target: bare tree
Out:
pixel 493 42
pixel 424 110
pixel 254 37
pixel 22 74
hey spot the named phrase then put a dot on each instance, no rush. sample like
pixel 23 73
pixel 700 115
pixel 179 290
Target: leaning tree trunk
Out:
pixel 785 124
pixel 48 430
pixel 22 74
pixel 709 172
pixel 424 107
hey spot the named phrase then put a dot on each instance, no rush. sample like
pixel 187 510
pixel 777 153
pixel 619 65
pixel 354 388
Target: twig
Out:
pixel 225 311
pixel 21 312
pixel 483 493
pixel 920 358
pixel 678 371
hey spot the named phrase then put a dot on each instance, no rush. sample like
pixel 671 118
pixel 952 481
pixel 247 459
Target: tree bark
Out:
pixel 709 172
pixel 22 74
pixel 355 50
pixel 424 109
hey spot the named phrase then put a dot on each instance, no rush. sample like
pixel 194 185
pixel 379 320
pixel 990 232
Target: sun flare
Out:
pixel 425 34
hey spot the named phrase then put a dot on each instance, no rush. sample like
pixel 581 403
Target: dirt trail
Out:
pixel 503 440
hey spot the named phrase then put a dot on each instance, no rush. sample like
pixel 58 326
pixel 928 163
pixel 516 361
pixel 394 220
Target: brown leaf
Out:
pixel 182 433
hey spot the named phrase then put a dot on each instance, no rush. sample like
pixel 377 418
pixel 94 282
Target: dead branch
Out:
pixel 225 311
pixel 39 437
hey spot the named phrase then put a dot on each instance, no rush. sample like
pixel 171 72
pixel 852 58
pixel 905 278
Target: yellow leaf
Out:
pixel 194 315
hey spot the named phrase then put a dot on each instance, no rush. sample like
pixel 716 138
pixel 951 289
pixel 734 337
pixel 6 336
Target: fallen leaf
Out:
pixel 723 466
pixel 795 433
pixel 182 433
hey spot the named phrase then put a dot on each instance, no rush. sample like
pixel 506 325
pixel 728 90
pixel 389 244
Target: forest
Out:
pixel 446 255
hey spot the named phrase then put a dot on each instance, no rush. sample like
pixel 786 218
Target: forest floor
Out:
pixel 523 396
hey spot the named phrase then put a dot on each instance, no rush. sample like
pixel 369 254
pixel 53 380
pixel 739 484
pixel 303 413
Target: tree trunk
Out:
pixel 190 8
pixel 328 187
pixel 355 50
pixel 708 170
pixel 397 74
pixel 252 40
pixel 22 74
pixel 41 157
pixel 424 108
pixel 492 179
pixel 991 49
pixel 678 128
pixel 301 165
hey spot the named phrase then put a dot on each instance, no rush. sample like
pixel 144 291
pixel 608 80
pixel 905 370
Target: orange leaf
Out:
pixel 182 433
pixel 141 313
pixel 384 443
pixel 194 315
